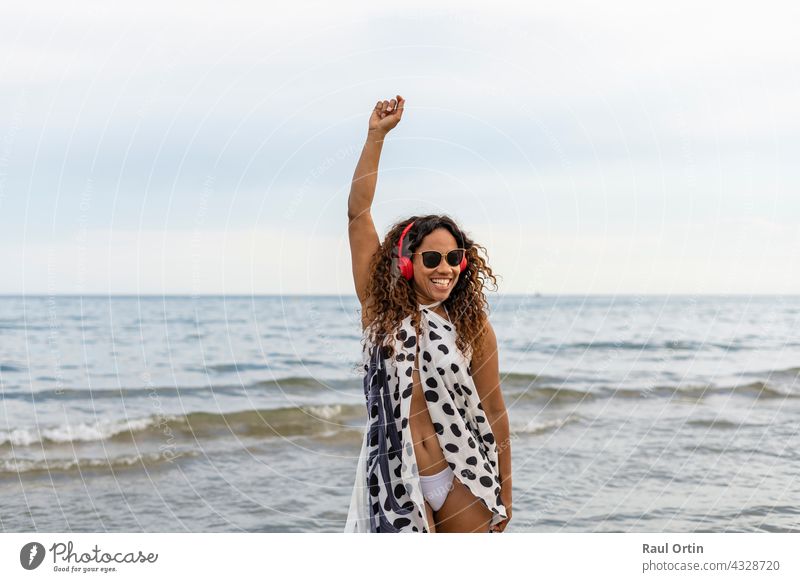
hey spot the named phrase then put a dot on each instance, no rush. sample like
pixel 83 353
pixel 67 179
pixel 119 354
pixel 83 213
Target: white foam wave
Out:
pixel 67 433
pixel 534 427
pixel 325 411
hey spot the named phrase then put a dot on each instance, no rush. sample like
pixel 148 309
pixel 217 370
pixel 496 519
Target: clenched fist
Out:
pixel 386 115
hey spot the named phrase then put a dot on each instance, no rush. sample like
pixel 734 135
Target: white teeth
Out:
pixel 441 282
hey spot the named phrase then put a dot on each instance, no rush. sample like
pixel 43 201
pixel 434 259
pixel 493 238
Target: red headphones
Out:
pixel 405 264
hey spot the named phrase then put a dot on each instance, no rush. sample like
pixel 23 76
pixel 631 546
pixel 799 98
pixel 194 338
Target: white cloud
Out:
pixel 604 128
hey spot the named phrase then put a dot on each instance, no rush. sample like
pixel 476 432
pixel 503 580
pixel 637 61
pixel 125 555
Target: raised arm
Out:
pixel 361 229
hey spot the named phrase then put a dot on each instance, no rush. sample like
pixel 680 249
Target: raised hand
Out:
pixel 386 115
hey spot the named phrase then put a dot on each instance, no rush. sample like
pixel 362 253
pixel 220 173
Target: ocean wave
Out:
pixel 88 394
pixel 718 423
pixel 82 432
pixel 757 390
pixel 765 511
pixel 789 455
pixel 554 394
pixel 16 466
pixel 294 382
pixel 678 345
pixel 541 427
pixel 11 368
pixel 527 378
pixel 515 384
pixel 234 367
pixel 278 422
pixel 762 390
pixel 787 373
pixel 666 345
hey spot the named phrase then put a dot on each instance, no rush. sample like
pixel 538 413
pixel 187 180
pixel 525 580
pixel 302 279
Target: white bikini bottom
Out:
pixel 435 488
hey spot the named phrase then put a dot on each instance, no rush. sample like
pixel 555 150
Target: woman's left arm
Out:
pixel 486 375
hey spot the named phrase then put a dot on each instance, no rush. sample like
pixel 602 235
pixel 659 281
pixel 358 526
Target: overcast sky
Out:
pixel 196 147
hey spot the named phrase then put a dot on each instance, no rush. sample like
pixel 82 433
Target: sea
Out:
pixel 628 413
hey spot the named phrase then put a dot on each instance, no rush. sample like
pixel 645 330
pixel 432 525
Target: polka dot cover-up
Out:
pixel 387 496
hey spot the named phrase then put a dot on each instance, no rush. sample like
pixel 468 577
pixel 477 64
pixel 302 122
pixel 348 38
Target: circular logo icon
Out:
pixel 31 555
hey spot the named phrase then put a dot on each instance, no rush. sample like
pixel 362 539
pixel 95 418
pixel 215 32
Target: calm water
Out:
pixel 627 413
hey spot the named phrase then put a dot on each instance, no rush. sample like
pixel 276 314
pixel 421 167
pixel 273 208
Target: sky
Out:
pixel 208 147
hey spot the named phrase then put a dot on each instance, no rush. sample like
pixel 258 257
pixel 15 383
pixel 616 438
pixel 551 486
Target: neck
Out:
pixel 442 311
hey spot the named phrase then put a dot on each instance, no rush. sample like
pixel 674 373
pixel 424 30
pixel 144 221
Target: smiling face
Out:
pixel 426 281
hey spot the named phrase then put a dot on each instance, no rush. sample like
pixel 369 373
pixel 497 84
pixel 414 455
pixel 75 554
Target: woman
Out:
pixel 436 455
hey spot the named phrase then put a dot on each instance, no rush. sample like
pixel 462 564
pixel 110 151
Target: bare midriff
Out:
pixel 430 458
pixel 428 452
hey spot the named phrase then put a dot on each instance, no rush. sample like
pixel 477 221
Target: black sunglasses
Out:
pixel 431 259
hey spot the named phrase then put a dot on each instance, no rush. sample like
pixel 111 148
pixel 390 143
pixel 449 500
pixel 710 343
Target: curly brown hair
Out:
pixel 391 297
